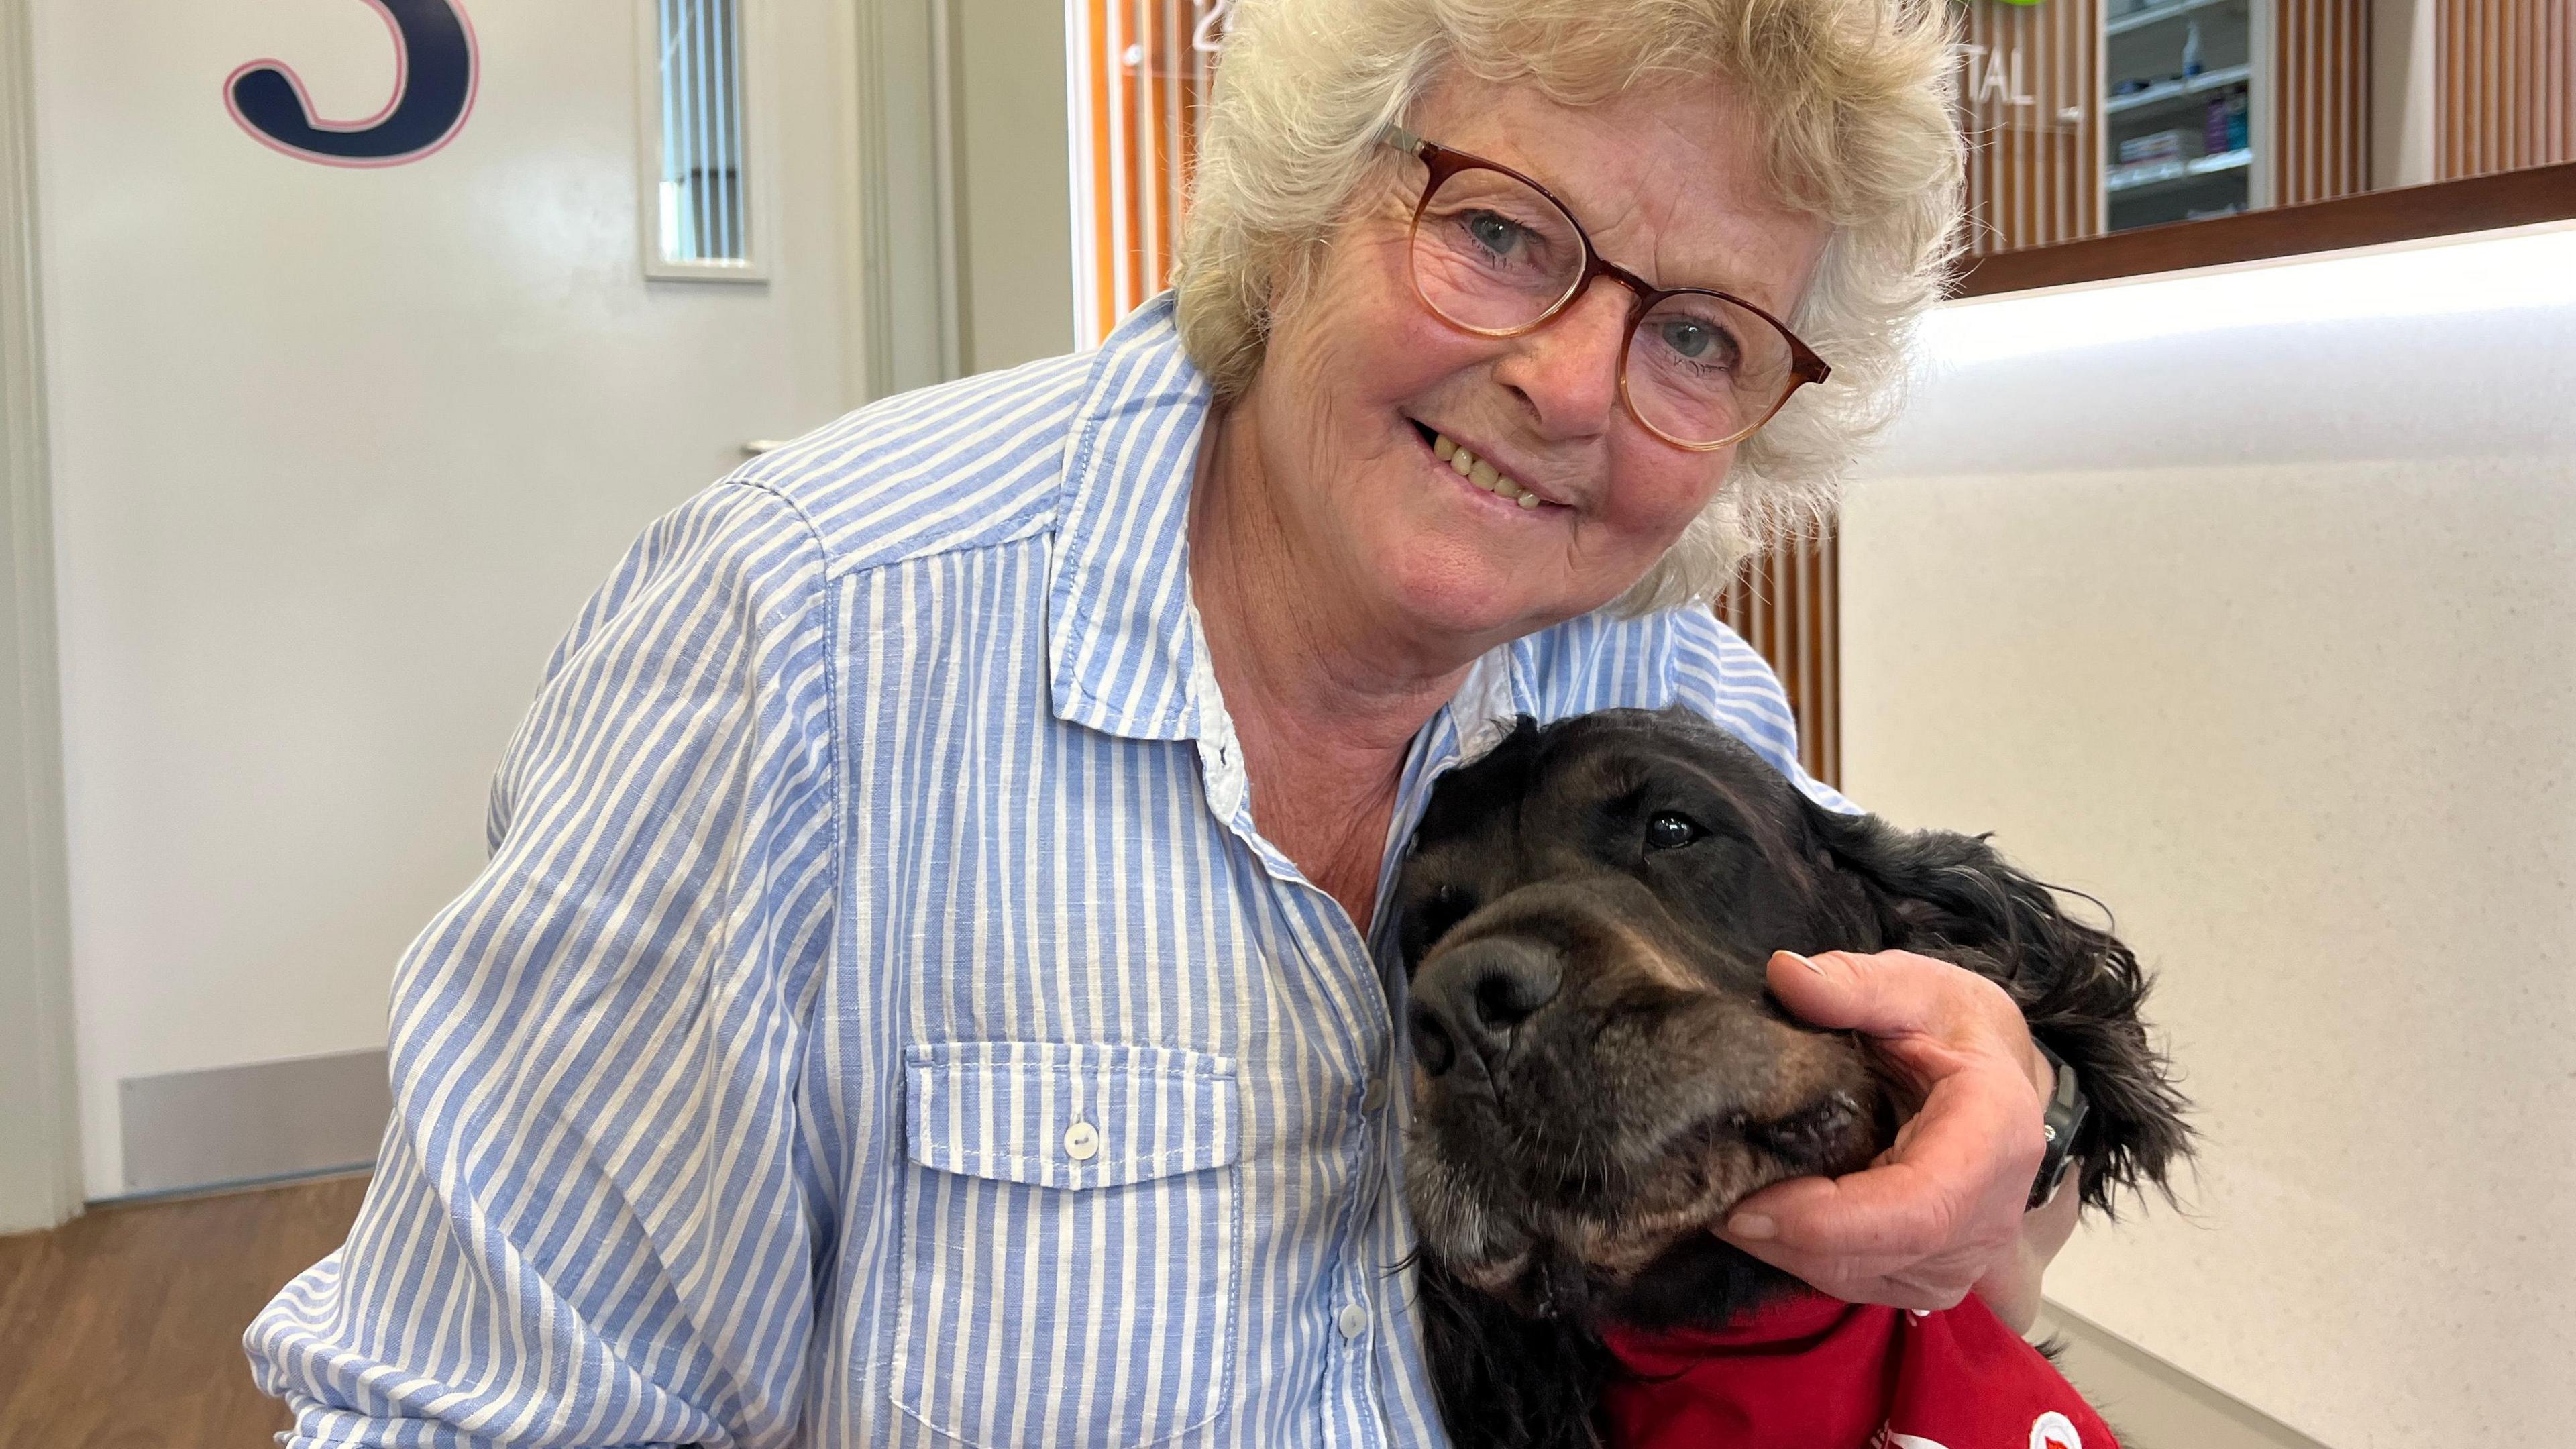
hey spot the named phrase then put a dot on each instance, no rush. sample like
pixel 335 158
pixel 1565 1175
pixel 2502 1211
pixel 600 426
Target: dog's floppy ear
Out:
pixel 1952 896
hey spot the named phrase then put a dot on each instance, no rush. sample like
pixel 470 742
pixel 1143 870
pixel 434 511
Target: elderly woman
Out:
pixel 922 991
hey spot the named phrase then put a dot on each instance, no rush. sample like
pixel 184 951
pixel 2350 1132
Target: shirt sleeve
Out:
pixel 1716 673
pixel 594 1218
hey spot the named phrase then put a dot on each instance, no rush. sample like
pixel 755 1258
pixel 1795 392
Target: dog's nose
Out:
pixel 1471 998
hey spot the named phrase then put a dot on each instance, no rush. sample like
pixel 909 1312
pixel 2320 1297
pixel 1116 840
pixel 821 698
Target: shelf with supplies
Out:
pixel 2159 14
pixel 2185 86
pixel 2139 177
pixel 2157 97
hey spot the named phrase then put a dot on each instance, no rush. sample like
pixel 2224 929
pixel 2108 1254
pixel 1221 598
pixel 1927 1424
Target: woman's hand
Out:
pixel 1940 1213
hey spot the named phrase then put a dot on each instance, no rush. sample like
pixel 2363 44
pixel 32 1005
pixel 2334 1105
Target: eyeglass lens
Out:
pixel 1494 255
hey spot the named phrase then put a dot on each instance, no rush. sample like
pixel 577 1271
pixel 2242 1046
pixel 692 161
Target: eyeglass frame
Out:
pixel 1444 162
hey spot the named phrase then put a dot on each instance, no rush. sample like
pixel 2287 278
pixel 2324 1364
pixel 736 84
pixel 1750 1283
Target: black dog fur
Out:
pixel 1514 1355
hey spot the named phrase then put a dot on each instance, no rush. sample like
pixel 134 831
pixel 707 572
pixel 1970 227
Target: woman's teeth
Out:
pixel 1481 473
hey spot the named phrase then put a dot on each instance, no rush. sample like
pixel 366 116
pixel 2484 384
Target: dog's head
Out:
pixel 1600 1075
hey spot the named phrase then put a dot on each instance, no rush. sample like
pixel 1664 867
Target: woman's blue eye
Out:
pixel 1692 340
pixel 1671 832
pixel 1494 233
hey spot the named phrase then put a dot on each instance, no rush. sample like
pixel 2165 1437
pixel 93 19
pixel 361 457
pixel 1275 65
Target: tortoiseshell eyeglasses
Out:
pixel 1494 253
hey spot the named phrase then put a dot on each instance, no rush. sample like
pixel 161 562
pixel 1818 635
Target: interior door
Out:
pixel 357 387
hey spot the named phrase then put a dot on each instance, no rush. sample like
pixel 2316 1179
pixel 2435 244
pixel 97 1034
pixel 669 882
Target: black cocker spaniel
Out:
pixel 1585 915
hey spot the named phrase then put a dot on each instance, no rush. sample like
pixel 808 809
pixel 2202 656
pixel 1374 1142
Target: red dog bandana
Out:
pixel 1816 1373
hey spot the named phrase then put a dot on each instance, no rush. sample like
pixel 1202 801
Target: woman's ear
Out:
pixel 2080 988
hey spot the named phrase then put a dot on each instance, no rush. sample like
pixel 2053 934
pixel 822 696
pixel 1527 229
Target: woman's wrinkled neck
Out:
pixel 1325 692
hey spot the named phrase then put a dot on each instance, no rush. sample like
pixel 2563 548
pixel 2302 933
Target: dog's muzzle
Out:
pixel 1587 1095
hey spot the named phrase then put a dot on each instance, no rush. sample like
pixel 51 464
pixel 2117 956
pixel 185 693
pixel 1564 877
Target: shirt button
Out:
pixel 1082 1142
pixel 1352 1320
pixel 1375 1096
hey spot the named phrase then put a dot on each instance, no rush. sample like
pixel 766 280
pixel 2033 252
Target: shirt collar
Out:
pixel 1123 644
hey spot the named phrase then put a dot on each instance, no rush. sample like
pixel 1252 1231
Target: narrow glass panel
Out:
pixel 702 185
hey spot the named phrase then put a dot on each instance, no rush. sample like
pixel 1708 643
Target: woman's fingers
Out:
pixel 1971 1133
pixel 1943 1207
pixel 1925 1224
pixel 1927 1016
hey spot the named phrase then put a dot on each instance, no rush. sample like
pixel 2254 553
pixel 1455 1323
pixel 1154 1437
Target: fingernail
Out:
pixel 1803 961
pixel 1753 1227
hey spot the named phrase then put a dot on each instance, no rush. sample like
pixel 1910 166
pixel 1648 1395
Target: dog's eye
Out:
pixel 1669 831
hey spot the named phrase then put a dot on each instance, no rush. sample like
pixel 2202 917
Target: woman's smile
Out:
pixel 1489 487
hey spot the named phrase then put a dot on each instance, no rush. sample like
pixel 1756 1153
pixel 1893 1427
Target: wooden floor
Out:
pixel 122 1328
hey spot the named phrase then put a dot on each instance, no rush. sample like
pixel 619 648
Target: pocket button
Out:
pixel 1082 1142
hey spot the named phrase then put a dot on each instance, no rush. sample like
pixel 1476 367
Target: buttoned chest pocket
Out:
pixel 1070 1242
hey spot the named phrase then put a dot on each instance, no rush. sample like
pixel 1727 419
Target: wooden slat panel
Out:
pixel 1142 75
pixel 2505 89
pixel 2320 75
pixel 1787 604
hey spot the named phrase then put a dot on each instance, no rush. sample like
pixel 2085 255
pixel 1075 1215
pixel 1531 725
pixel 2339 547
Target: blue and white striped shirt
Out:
pixel 880 1021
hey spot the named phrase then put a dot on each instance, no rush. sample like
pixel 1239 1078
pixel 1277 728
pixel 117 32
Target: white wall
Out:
pixel 1014 188
pixel 336 455
pixel 965 170
pixel 2248 602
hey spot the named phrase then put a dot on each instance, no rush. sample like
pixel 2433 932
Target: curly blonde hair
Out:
pixel 1856 100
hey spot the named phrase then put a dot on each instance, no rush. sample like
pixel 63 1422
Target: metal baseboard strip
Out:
pixel 259 1122
pixel 2150 1403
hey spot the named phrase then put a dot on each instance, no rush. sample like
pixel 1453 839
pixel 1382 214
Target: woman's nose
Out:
pixel 1568 370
